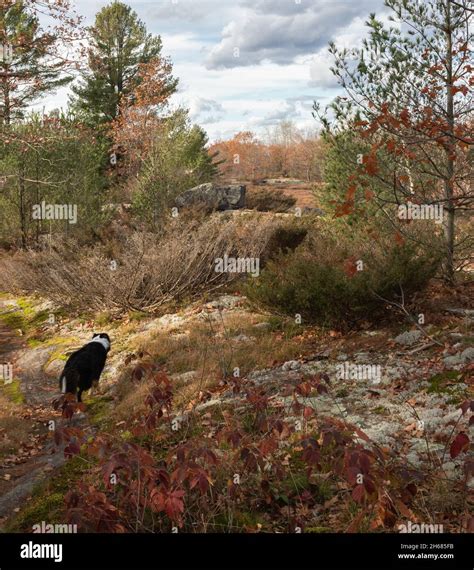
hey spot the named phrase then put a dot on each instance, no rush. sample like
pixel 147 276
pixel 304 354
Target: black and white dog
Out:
pixel 84 367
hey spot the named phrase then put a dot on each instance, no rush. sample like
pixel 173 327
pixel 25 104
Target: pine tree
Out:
pixel 120 45
pixel 409 96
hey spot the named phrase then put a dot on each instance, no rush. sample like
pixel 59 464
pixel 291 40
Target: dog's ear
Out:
pixel 94 335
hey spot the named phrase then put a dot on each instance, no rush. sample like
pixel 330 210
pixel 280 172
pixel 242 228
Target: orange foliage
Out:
pixel 248 158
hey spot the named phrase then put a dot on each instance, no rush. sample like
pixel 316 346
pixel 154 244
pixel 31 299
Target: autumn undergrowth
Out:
pixel 258 463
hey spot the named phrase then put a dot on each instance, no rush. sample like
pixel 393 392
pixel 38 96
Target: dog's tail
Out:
pixel 69 381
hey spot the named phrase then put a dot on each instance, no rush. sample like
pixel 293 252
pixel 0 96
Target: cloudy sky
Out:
pixel 248 64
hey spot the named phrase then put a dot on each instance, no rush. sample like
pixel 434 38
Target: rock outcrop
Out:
pixel 213 197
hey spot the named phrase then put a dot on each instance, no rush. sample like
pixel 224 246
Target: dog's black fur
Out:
pixel 84 367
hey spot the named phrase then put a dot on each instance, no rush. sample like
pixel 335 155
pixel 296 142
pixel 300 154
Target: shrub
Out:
pixel 321 280
pixel 178 160
pixel 186 478
pixel 142 271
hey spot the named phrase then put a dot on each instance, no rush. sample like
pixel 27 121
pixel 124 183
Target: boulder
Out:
pixel 214 197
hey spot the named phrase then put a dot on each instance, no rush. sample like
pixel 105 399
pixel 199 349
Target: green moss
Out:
pixel 27 317
pixel 47 501
pixel 60 340
pixel 27 305
pixel 43 508
pixel 38 318
pixel 103 318
pixel 56 341
pixel 442 383
pixel 34 342
pixel 13 391
pixel 14 320
pixel 317 529
pixel 98 410
pixel 57 355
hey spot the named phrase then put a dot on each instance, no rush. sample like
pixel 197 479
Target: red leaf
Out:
pixel 371 164
pixel 361 434
pixel 308 412
pixel 404 115
pixel 350 267
pixel 399 240
pixel 459 444
pixel 358 493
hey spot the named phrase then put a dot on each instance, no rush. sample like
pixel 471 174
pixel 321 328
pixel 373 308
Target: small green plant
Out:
pixel 442 383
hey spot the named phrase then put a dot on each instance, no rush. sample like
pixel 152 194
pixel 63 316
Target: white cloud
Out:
pixel 283 64
pixel 349 37
pixel 205 111
pixel 279 31
pixel 320 71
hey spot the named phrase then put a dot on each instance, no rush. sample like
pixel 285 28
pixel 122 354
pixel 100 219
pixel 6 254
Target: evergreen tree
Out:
pixel 120 44
pixel 409 97
pixel 177 160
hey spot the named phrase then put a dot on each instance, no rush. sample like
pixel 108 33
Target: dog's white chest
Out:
pixel 103 341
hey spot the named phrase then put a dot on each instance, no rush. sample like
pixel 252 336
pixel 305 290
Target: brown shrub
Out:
pixel 142 271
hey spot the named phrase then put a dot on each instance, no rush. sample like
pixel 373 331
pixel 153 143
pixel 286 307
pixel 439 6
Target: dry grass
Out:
pixel 212 349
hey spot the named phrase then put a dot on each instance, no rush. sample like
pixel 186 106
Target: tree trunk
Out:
pixel 450 150
pixel 23 223
pixel 6 100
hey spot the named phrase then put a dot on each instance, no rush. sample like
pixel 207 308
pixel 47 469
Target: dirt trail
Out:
pixel 8 342
pixel 37 457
